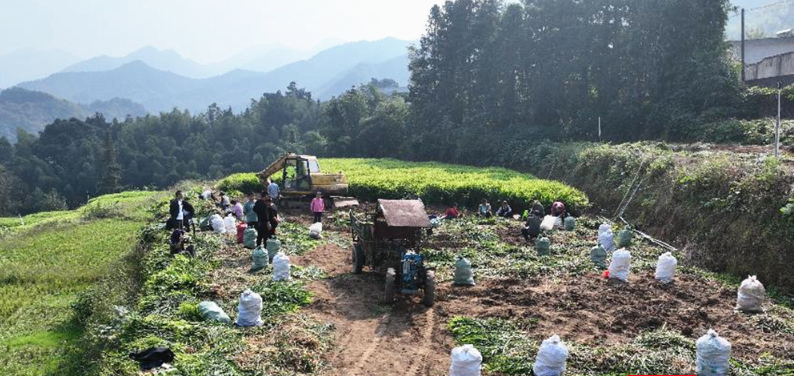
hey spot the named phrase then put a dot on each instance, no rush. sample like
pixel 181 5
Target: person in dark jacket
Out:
pixel 272 212
pixel 531 229
pixel 179 240
pixel 180 211
pixel 262 210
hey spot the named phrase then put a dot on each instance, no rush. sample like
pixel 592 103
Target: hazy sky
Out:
pixel 203 30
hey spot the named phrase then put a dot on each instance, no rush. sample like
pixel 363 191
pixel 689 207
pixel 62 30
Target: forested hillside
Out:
pixel 31 111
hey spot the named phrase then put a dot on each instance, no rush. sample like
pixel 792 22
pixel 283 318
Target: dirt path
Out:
pixel 404 339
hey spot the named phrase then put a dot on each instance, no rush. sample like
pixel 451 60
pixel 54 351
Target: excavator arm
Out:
pixel 274 167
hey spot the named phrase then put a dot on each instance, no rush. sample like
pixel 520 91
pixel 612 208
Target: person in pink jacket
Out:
pixel 318 207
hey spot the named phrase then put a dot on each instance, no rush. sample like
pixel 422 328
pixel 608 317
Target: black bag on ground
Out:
pixel 153 357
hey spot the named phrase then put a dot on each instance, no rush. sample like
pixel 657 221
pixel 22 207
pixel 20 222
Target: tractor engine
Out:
pixel 412 265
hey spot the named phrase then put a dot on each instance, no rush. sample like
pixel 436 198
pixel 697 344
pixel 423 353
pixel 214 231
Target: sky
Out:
pixel 203 30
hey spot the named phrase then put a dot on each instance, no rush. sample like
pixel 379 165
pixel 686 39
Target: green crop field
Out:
pixel 46 260
pixel 436 183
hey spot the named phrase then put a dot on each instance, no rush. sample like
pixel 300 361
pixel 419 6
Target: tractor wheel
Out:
pixel 388 292
pixel 358 259
pixel 430 288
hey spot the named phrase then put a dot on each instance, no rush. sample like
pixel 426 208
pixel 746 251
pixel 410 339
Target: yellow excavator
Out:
pixel 299 176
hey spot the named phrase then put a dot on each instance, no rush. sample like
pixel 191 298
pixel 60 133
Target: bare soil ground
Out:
pixel 408 339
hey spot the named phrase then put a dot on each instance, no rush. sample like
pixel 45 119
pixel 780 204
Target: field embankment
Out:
pixel 47 260
pixel 722 205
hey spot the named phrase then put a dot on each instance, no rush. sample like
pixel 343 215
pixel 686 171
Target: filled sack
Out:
pixel 316 230
pixel 570 223
pixel 558 222
pixel 281 267
pixel 273 246
pixel 598 256
pixel 543 246
pixel 713 355
pixel 463 273
pixel 624 238
pixel 604 227
pixel 258 258
pixel 241 227
pixel 249 238
pixel 548 223
pixel 212 312
pixel 217 224
pixel 551 357
pixel 466 361
pixel 607 240
pixel 230 224
pixel 620 265
pixel 751 295
pixel 665 268
pixel 249 309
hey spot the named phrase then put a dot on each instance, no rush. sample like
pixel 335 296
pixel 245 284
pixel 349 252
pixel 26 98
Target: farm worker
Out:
pixel 248 210
pixel 531 229
pixel 504 210
pixel 262 220
pixel 452 212
pixel 177 243
pixel 558 209
pixel 537 209
pixel 273 190
pixel 225 203
pixel 272 212
pixel 180 210
pixel 318 207
pixel 484 209
pixel 237 210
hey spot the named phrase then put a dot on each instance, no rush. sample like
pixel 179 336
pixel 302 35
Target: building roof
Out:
pixel 404 213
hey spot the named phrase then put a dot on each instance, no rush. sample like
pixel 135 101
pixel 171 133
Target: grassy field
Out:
pixel 436 183
pixel 47 259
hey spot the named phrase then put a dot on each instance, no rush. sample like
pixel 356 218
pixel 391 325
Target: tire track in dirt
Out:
pixel 358 368
pixel 427 337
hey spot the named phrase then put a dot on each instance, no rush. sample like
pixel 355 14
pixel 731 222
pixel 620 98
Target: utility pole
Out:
pixel 742 45
pixel 777 125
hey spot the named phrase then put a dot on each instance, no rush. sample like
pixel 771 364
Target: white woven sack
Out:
pixel 665 267
pixel 316 230
pixel 548 222
pixel 249 309
pixel 620 265
pixel 217 224
pixel 604 227
pixel 551 357
pixel 281 267
pixel 751 295
pixel 713 355
pixel 466 361
pixel 230 224
pixel 607 240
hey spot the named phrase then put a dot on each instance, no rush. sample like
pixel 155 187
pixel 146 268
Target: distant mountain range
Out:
pixel 152 79
pixel 29 64
pixel 32 111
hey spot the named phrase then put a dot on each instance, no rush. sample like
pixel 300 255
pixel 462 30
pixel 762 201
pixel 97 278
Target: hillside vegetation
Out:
pixel 48 259
pixel 31 111
pixel 435 183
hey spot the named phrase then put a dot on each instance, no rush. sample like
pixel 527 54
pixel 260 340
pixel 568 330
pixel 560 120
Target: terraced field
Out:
pixel 47 259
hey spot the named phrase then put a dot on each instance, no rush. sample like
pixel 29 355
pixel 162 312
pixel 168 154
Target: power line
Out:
pixel 762 7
